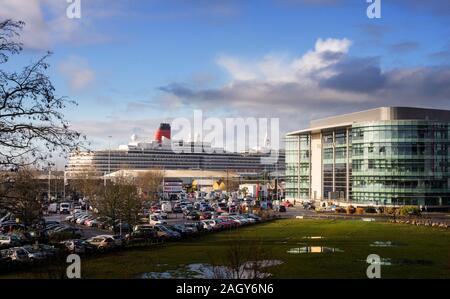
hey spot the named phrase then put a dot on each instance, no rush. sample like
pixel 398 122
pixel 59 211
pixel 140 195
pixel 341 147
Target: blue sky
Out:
pixel 133 64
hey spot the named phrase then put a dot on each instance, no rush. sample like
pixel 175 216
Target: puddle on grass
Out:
pixel 394 262
pixel 249 270
pixel 313 237
pixel 383 244
pixel 314 249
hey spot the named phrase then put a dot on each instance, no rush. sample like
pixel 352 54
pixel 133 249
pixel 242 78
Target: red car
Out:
pixel 155 208
pixel 227 222
pixel 287 204
pixel 205 215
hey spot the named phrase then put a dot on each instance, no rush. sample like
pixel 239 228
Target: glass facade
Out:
pixel 298 166
pixel 336 163
pixel 292 166
pixel 400 162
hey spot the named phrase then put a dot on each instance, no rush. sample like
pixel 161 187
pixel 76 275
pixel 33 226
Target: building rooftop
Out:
pixel 377 114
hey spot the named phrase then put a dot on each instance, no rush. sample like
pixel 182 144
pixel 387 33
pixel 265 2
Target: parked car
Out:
pixel 71 232
pixel 77 246
pixel 64 208
pixel 183 230
pixel 155 220
pixel 34 253
pixel 166 233
pixel 102 242
pixel 99 222
pixel 255 217
pixel 193 215
pixel 16 254
pixel 53 208
pixel 10 226
pixel 192 226
pixel 118 239
pixel 10 240
pixel 206 226
pixel 177 209
pixel 216 223
pixel 81 219
pixel 49 251
pixel 161 214
pixel 142 235
pixel 87 219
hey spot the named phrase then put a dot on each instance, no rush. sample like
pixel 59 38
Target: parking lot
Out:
pixel 72 229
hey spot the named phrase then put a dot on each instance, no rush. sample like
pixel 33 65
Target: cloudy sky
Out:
pixel 132 64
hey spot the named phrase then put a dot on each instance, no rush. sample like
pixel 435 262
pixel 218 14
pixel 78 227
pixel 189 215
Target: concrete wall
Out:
pixel 316 165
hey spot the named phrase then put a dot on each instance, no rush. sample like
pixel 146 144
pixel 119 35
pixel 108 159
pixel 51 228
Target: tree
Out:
pixel 20 194
pixel 87 182
pixel 32 125
pixel 150 183
pixel 119 201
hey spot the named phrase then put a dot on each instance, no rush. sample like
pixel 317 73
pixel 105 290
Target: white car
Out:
pixel 64 208
pixel 9 240
pixel 207 225
pixel 118 240
pixel 160 213
pixel 81 219
pixel 156 219
pixel 17 254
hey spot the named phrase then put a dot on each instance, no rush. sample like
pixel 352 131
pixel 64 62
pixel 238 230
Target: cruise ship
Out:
pixel 164 153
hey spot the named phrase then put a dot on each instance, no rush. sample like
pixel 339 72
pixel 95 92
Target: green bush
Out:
pixel 370 210
pixel 340 210
pixel 359 211
pixel 390 211
pixel 351 210
pixel 409 210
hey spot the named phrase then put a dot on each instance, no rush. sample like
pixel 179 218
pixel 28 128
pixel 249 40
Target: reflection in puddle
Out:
pixel 383 244
pixel 382 262
pixel 391 262
pixel 249 270
pixel 313 249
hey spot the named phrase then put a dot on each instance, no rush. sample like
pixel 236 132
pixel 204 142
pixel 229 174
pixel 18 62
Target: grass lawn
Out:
pixel 420 252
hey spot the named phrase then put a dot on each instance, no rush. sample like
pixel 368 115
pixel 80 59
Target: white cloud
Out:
pixel 78 73
pixel 279 68
pixel 323 81
pixel 47 23
pixel 36 32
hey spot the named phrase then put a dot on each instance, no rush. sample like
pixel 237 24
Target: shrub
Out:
pixel 370 210
pixel 409 210
pixel 351 210
pixel 359 211
pixel 340 210
pixel 390 210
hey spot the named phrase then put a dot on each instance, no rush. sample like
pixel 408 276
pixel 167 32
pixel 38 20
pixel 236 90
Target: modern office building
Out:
pixel 386 156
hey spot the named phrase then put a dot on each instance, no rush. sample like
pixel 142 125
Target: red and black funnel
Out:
pixel 163 131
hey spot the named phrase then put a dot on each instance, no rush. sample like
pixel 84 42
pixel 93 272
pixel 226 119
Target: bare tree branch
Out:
pixel 32 123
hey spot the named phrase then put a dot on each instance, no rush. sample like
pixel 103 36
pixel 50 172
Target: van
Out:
pixel 166 207
pixel 53 208
pixel 64 208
